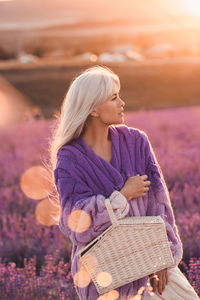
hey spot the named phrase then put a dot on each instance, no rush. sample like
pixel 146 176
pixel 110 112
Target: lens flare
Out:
pixel 79 221
pixel 45 211
pixel 35 183
pixel 104 279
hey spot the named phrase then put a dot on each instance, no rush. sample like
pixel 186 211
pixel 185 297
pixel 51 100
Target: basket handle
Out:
pixel 111 212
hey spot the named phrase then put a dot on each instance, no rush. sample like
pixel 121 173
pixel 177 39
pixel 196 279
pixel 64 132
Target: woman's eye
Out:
pixel 114 98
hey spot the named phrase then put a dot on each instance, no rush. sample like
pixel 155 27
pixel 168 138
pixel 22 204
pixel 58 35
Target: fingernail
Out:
pixel 160 293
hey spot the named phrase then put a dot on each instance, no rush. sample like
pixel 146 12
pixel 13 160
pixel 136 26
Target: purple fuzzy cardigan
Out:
pixel 84 180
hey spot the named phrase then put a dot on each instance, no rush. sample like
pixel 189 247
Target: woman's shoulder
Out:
pixel 129 131
pixel 65 151
pixel 70 150
pixel 66 163
pixel 66 158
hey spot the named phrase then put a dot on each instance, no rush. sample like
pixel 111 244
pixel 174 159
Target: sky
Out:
pixel 15 12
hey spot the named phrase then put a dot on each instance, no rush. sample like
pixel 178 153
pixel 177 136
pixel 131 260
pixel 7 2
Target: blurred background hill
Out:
pixel 154 46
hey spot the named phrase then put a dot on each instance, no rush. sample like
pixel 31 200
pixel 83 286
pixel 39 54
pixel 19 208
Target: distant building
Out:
pixel 159 51
pixel 133 55
pixel 111 57
pixel 25 58
pixel 89 56
pixel 122 48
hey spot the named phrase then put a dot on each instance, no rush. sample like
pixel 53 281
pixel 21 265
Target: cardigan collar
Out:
pixel 91 153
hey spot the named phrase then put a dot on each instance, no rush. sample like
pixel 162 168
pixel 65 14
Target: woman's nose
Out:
pixel 122 102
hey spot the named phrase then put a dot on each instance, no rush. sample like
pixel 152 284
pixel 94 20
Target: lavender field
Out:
pixel 35 255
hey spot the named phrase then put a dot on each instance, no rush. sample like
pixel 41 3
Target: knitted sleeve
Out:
pixel 159 202
pixel 83 214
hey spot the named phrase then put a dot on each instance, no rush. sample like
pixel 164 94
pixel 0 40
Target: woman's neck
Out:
pixel 96 135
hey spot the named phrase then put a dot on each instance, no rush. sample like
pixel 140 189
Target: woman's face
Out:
pixel 110 111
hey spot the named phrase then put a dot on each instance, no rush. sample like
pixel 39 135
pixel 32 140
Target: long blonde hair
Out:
pixel 85 93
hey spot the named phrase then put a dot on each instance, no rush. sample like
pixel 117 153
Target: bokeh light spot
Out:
pixel 35 183
pixel 112 295
pixel 82 278
pixel 45 211
pixel 93 58
pixel 140 291
pixel 92 262
pixel 137 297
pixel 79 221
pixel 104 279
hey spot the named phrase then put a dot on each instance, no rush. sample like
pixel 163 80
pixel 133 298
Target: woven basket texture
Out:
pixel 129 249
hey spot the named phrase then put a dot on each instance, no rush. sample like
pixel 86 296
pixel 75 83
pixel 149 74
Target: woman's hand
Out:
pixel 160 282
pixel 135 187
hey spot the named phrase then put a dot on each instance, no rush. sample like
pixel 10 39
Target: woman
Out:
pixel 94 159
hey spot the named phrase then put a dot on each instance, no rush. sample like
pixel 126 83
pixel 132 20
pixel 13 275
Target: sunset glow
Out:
pixel 191 6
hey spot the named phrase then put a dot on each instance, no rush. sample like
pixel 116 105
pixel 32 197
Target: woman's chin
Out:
pixel 120 121
pixel 122 118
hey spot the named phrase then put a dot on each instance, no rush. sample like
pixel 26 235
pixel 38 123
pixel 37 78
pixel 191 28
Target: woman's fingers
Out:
pixel 160 283
pixel 166 277
pixel 153 282
pixel 163 279
pixel 147 182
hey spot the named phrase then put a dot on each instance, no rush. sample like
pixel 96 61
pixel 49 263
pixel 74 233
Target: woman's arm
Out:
pixel 159 202
pixel 83 214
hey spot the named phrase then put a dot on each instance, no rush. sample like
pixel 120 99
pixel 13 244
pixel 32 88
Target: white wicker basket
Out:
pixel 129 249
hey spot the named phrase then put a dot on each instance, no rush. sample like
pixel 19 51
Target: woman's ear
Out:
pixel 94 114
